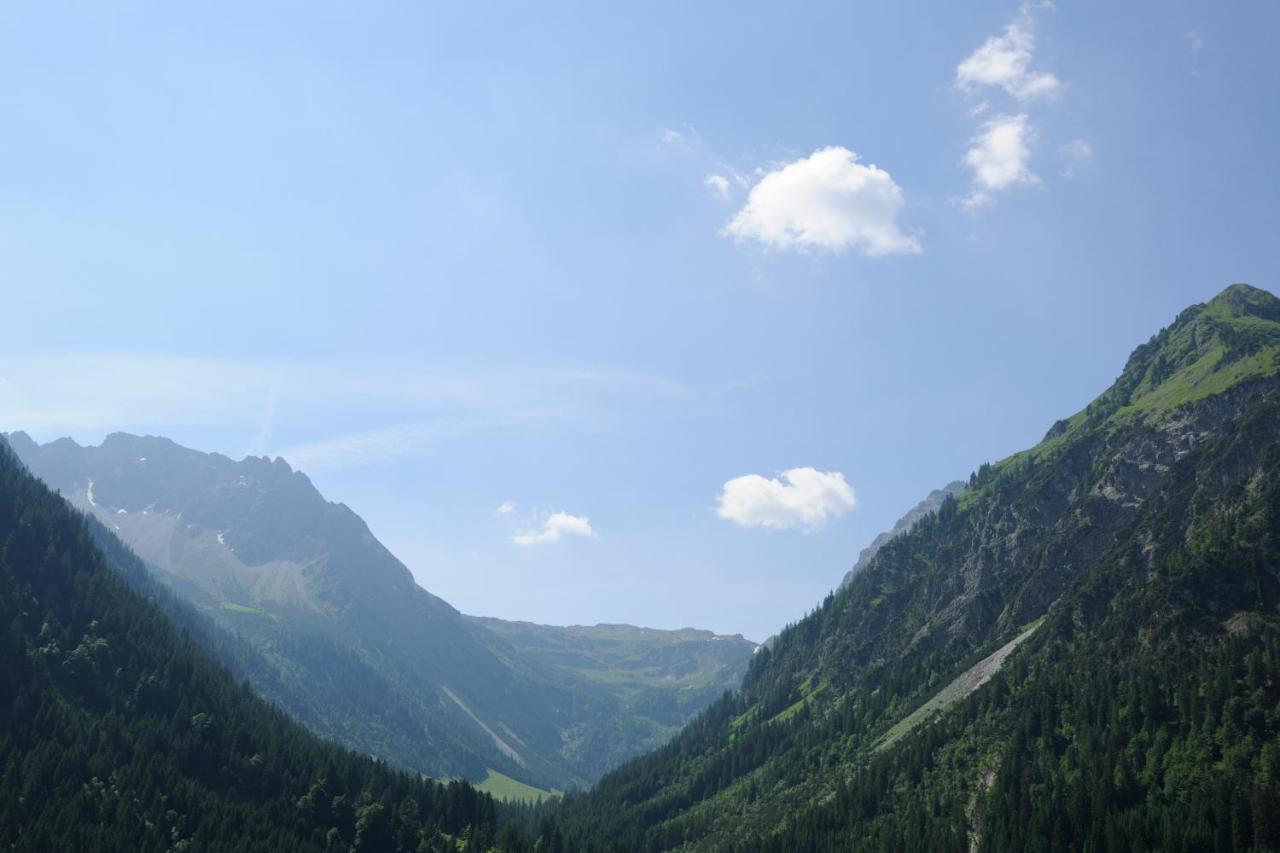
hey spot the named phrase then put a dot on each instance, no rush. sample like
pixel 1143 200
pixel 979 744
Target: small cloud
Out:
pixel 558 525
pixel 718 185
pixel 827 200
pixel 504 509
pixel 685 138
pixel 800 498
pixel 1078 150
pixel 1077 153
pixel 1000 157
pixel 1194 41
pixel 1004 61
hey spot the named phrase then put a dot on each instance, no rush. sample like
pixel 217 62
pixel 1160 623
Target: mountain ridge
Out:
pixel 119 734
pixel 306 583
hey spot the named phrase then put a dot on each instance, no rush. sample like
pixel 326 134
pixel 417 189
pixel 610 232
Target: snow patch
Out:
pixel 89 493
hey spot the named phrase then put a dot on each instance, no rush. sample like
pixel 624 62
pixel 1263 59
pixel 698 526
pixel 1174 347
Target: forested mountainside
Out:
pixel 117 733
pixel 931 504
pixel 1081 652
pixel 326 623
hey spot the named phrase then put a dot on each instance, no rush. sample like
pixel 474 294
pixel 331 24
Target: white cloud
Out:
pixel 1004 61
pixel 827 200
pixel 672 137
pixel 1194 41
pixel 504 509
pixel 718 185
pixel 1000 157
pixel 802 498
pixel 557 525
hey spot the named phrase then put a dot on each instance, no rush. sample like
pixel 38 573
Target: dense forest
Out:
pixel 118 733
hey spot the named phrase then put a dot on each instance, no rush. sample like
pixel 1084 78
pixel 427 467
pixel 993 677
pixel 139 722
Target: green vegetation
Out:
pixel 251 611
pixel 629 689
pixel 118 734
pixel 1144 711
pixel 509 790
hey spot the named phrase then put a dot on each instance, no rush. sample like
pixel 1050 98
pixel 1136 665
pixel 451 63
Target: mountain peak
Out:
pixel 1244 300
pixel 1210 348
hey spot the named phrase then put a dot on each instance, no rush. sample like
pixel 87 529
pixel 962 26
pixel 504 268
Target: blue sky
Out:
pixel 612 270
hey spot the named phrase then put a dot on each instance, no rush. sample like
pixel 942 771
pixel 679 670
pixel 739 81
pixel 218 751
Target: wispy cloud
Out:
pixel 383 444
pixel 1077 153
pixel 1004 61
pixel 374 411
pixel 262 438
pixel 79 393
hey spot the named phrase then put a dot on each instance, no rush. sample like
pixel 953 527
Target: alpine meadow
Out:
pixel 570 428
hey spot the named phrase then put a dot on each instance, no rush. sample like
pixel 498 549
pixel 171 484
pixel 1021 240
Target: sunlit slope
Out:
pixel 1142 712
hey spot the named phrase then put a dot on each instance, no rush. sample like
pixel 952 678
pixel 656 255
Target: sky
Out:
pixel 652 313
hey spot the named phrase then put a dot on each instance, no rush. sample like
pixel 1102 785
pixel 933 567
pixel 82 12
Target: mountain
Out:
pixel 326 623
pixel 1079 652
pixel 931 504
pixel 660 679
pixel 117 733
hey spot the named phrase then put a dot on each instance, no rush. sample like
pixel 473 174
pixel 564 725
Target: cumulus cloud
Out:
pixel 827 200
pixel 1000 158
pixel 800 498
pixel 718 185
pixel 1004 61
pixel 557 526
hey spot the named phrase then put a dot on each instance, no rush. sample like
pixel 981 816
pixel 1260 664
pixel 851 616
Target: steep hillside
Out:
pixel 118 734
pixel 1082 651
pixel 325 622
pixel 931 504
